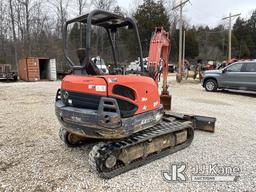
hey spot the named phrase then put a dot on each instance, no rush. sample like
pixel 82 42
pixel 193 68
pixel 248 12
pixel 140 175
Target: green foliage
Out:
pixel 174 52
pixel 192 47
pixel 149 15
pixel 2 61
pixel 210 42
pixel 244 50
pixel 153 14
pixel 245 33
pixel 213 43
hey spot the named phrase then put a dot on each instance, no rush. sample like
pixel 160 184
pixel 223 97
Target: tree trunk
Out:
pixel 14 34
pixel 28 43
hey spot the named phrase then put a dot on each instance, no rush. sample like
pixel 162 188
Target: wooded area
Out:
pixel 35 28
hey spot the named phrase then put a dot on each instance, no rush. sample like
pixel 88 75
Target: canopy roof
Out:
pixel 103 19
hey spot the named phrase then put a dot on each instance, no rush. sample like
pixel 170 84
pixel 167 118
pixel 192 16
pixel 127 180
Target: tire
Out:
pixel 15 78
pixel 66 137
pixel 210 85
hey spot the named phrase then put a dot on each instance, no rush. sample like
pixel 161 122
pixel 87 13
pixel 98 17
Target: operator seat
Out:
pixel 91 67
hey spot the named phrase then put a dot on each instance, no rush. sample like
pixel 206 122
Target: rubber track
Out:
pixel 102 150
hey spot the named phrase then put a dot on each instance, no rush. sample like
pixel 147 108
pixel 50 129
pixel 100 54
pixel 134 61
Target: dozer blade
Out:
pixel 166 101
pixel 197 122
pixel 204 123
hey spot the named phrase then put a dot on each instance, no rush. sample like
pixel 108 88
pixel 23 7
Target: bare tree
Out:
pixel 81 5
pixel 172 14
pixel 13 32
pixel 27 8
pixel 104 4
pixel 3 28
pixel 107 5
pixel 61 9
pixel 22 14
pixel 134 6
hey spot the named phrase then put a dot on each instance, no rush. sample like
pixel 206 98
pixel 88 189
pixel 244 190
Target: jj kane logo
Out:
pixel 199 173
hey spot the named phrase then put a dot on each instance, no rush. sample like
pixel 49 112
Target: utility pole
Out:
pixel 184 44
pixel 179 75
pixel 230 33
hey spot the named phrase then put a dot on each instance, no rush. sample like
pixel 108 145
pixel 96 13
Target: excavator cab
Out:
pixel 98 22
pixel 105 106
pixel 105 26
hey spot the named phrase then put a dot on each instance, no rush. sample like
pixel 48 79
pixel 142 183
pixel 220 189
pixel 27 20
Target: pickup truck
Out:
pixel 240 75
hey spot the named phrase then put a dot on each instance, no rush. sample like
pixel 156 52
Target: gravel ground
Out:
pixel 33 158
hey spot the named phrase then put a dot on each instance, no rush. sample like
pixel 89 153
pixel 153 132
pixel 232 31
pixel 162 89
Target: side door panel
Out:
pixel 250 73
pixel 233 78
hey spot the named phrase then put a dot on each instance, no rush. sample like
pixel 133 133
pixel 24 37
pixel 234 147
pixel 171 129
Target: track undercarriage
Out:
pixel 113 157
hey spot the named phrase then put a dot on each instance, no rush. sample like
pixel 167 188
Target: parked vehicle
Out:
pixel 100 63
pixel 240 75
pixel 135 65
pixel 6 72
pixel 171 68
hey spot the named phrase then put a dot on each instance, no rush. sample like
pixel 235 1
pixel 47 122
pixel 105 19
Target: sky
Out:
pixel 209 12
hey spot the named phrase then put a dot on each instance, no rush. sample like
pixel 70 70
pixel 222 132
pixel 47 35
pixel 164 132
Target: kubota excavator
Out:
pixel 124 113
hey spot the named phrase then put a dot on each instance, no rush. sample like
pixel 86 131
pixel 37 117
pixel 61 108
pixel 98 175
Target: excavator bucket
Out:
pixel 166 101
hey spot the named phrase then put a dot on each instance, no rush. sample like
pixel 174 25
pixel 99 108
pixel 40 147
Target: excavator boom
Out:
pixel 158 59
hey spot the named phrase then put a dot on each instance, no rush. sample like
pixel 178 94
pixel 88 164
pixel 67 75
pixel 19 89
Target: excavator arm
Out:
pixel 158 59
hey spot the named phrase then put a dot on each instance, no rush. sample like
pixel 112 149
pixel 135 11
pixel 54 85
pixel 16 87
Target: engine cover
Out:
pixel 132 92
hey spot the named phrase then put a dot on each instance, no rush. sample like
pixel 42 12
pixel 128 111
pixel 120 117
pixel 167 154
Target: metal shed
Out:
pixel 37 68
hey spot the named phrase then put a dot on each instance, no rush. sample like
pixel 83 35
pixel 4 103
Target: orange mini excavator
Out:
pixel 125 115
